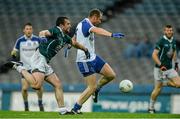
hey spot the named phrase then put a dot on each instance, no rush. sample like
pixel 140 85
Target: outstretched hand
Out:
pixel 117 35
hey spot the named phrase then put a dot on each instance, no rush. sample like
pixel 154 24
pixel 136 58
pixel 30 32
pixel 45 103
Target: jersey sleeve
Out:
pixel 68 39
pixel 52 30
pixel 158 45
pixel 86 27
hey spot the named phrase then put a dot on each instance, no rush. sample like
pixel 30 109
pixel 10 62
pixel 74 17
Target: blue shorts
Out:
pixel 88 68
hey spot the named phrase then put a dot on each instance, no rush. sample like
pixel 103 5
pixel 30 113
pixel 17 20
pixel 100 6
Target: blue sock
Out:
pixel 40 102
pixel 77 107
pixel 26 104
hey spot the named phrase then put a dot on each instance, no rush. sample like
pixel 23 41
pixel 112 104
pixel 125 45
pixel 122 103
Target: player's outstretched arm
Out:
pixel 44 33
pixel 101 31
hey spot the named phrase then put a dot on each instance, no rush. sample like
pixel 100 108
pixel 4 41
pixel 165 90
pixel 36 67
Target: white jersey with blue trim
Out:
pixel 86 38
pixel 27 47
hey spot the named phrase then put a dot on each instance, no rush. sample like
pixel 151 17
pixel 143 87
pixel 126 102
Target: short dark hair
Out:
pixel 27 24
pixel 95 12
pixel 60 20
pixel 168 26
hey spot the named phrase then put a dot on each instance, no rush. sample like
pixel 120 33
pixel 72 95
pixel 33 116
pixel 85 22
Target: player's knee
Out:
pixel 177 85
pixel 112 76
pixel 36 87
pixel 57 84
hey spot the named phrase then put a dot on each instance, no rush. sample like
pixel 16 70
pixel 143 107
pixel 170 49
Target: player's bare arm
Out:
pixel 44 33
pixel 101 31
pixel 175 56
pixel 77 45
pixel 155 57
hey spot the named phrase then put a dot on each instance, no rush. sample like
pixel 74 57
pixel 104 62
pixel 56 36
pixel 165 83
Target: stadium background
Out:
pixel 139 20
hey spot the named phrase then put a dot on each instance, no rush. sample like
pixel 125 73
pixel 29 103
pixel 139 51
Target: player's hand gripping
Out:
pixel 176 66
pixel 162 67
pixel 87 54
pixel 117 35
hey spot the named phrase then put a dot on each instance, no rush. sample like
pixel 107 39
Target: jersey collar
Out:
pixel 27 37
pixel 170 40
pixel 60 30
pixel 89 21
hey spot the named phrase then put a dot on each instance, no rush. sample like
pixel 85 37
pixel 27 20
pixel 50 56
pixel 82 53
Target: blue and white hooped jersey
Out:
pixel 86 38
pixel 27 47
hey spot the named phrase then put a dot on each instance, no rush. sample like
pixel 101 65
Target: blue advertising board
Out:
pixel 130 103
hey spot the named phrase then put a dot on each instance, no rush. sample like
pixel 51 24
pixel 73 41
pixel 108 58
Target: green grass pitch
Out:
pixel 92 115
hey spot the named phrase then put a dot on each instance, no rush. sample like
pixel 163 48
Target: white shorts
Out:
pixel 164 75
pixel 38 62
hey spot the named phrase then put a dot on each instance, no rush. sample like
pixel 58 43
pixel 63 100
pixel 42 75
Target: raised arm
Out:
pixel 104 32
pixel 44 33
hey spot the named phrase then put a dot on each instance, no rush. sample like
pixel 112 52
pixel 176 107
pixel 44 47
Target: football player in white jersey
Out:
pixel 89 67
pixel 26 46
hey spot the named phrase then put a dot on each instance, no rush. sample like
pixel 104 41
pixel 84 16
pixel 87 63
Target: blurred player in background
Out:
pixel 89 67
pixel 25 48
pixel 56 40
pixel 164 55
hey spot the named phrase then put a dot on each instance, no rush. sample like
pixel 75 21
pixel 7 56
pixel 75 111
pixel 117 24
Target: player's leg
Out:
pixel 158 84
pixel 174 79
pixel 24 92
pixel 35 79
pixel 56 83
pixel 107 75
pixel 156 91
pixel 91 87
pixel 40 94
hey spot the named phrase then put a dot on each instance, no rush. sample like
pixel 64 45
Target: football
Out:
pixel 126 86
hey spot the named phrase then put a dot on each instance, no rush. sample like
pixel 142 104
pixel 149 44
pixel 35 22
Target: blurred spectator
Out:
pixel 130 49
pixel 144 48
pixel 139 49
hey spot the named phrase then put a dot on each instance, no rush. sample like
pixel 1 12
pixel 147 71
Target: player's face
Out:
pixel 28 30
pixel 168 32
pixel 67 26
pixel 97 20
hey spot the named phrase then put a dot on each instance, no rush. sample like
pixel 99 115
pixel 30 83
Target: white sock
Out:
pixel 63 110
pixel 151 104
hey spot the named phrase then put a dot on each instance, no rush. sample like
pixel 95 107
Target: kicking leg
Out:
pixel 108 75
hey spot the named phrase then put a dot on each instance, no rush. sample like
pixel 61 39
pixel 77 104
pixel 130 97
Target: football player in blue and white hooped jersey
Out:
pixel 89 67
pixel 26 46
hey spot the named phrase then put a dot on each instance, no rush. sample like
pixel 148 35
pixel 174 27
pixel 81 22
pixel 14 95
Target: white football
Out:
pixel 126 86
